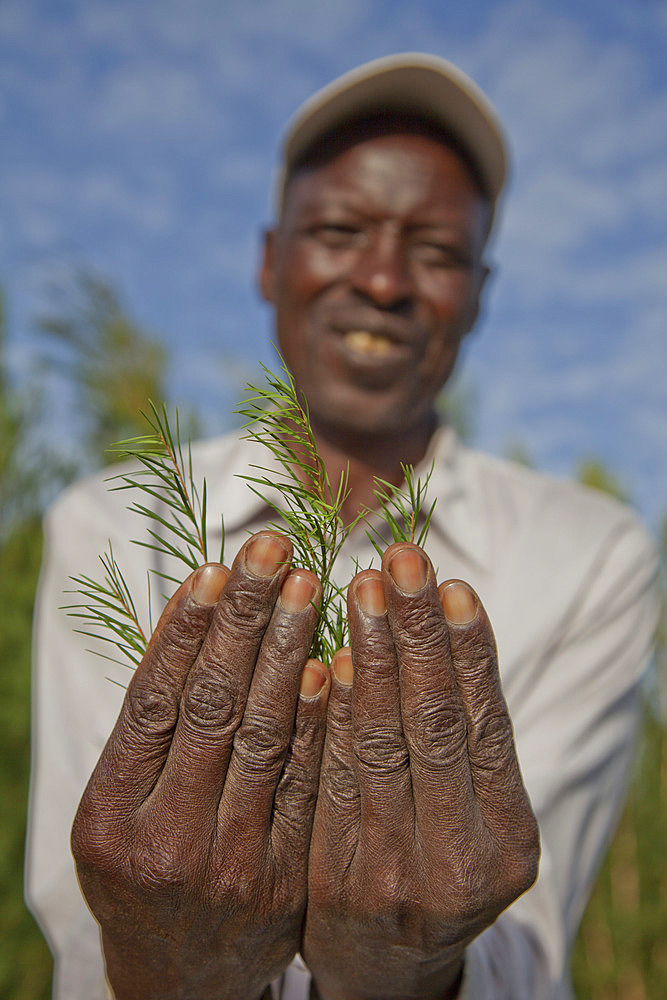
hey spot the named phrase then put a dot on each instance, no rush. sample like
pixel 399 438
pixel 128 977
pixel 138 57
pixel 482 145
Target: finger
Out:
pixel 494 766
pixel 261 741
pixel 139 743
pixel 381 755
pixel 215 693
pixel 336 824
pixel 296 795
pixel 432 709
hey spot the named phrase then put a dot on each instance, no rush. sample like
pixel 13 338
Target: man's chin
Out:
pixel 357 424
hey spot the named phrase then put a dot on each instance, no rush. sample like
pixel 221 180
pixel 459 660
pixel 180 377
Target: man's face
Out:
pixel 375 274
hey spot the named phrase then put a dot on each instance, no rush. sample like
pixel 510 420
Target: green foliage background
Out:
pixel 621 952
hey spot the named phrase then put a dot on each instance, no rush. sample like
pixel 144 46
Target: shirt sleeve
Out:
pixel 74 707
pixel 575 731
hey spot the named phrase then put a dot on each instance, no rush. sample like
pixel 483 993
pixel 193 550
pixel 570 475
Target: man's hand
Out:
pixel 423 830
pixel 191 840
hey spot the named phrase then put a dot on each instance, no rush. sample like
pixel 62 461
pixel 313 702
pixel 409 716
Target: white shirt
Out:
pixel 567 577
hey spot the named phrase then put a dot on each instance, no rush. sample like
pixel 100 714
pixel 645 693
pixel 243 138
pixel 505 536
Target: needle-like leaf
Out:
pixel 307 507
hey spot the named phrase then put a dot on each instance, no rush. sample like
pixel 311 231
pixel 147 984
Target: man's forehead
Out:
pixel 347 135
pixel 404 167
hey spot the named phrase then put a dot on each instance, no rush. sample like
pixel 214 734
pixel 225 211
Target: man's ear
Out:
pixel 266 274
pixel 483 275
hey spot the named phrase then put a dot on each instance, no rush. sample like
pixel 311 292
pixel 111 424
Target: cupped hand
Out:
pixel 191 840
pixel 423 830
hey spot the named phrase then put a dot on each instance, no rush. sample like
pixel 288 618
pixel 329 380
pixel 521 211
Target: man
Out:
pixel 250 804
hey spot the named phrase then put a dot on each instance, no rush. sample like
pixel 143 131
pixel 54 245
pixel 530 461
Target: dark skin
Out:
pixel 387 238
pixel 377 820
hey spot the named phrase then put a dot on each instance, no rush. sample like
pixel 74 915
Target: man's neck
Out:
pixel 368 457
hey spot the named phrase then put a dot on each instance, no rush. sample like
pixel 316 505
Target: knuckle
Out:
pixel 296 794
pixel 87 841
pixel 308 736
pixel 288 642
pixel 470 885
pixel 494 741
pixel 439 739
pixel 301 770
pixel 209 704
pixel 339 717
pixel 97 847
pixel 476 647
pixel 524 864
pixel 234 886
pixel 259 746
pixel 182 635
pixel 158 867
pixel 246 607
pixel 386 891
pixel 295 802
pixel 150 708
pixel 422 634
pixel 339 785
pixel 381 750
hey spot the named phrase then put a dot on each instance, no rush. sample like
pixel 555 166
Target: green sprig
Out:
pixel 311 509
pixel 400 508
pixel 108 606
pixel 308 509
pixel 166 475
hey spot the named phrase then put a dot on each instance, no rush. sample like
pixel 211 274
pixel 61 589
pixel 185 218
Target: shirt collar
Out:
pixel 459 515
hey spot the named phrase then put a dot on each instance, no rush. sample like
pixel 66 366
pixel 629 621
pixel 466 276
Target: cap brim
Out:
pixel 412 82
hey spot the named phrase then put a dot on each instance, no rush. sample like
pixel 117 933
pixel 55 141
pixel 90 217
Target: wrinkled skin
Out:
pixel 423 830
pixel 193 839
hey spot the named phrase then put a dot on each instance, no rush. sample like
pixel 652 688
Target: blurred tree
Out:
pixel 25 962
pixel 517 451
pixel 111 364
pixel 594 473
pixel 20 473
pixel 620 953
pixel 25 472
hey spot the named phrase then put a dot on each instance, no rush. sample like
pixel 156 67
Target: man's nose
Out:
pixel 381 272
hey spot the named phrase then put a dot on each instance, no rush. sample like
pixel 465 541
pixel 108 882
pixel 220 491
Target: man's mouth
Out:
pixel 375 345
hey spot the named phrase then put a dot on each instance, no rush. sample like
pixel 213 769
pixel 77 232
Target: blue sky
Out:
pixel 139 139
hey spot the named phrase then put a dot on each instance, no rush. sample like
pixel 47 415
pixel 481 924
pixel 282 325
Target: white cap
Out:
pixel 412 82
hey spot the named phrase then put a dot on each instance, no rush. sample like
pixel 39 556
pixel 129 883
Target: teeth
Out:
pixel 368 343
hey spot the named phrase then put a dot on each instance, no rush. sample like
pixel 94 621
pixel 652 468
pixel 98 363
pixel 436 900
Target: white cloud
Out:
pixel 106 194
pixel 152 95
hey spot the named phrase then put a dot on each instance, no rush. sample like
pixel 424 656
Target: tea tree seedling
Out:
pixel 308 509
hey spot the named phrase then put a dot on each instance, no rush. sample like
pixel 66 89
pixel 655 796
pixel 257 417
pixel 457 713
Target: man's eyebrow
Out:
pixel 333 201
pixel 333 209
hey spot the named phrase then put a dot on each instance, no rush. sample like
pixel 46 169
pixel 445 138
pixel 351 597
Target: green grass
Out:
pixel 621 953
pixel 25 962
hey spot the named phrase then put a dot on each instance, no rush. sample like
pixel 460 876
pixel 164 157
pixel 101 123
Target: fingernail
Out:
pixel 459 603
pixel 370 594
pixel 342 667
pixel 408 569
pixel 313 679
pixel 297 592
pixel 208 583
pixel 265 555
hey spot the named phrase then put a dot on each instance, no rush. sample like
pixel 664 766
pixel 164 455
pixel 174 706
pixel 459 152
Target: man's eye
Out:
pixel 441 255
pixel 337 235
